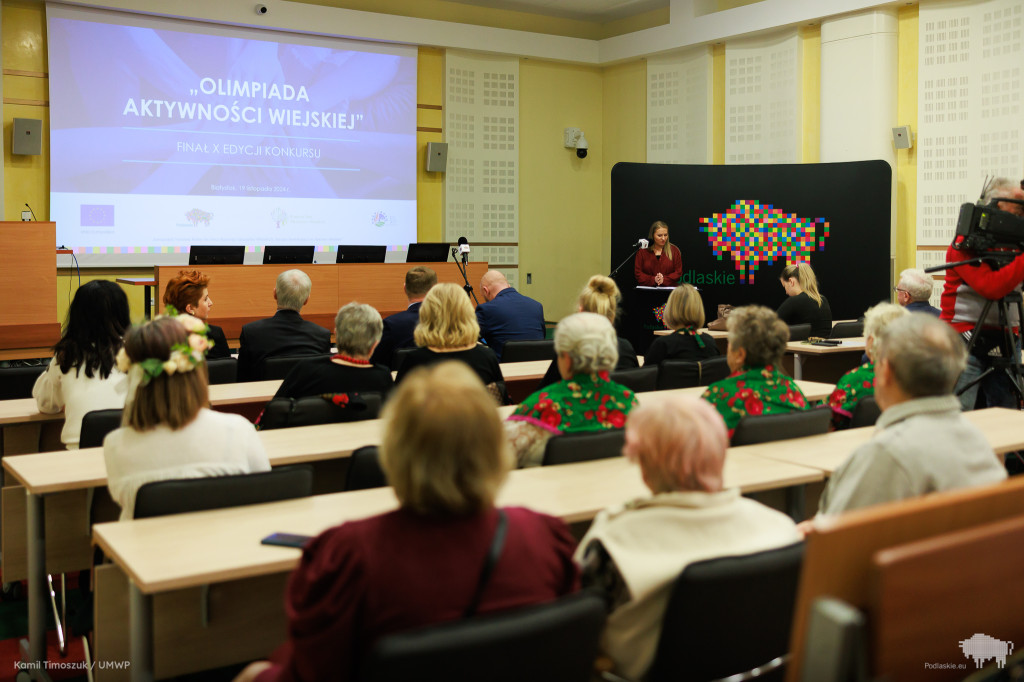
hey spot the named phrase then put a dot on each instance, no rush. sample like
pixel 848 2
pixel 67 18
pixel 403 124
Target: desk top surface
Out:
pixel 850 345
pixel 49 472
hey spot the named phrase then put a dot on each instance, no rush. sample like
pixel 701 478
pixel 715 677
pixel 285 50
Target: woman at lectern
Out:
pixel 189 293
pixel 660 264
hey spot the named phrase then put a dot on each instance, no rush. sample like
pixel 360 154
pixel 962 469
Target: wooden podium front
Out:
pixel 244 293
pixel 28 280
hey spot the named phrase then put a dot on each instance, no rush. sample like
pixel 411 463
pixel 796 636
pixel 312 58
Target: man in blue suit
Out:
pixel 398 328
pixel 507 315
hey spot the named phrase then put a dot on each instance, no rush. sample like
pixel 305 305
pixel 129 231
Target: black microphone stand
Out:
pixel 619 267
pixel 468 288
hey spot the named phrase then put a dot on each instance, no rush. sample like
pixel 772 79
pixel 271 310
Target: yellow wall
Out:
pixel 429 186
pixel 810 123
pixel 906 159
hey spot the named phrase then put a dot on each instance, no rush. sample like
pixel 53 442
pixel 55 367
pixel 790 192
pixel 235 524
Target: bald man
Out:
pixel 507 315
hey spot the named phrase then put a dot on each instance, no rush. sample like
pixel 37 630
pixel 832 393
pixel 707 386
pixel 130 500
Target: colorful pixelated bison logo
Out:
pixel 196 216
pixel 982 647
pixel 752 234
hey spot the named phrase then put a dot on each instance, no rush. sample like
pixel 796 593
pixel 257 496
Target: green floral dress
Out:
pixel 754 391
pixel 852 387
pixel 587 402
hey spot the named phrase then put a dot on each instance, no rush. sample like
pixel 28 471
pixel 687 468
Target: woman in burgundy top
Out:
pixel 445 455
pixel 660 264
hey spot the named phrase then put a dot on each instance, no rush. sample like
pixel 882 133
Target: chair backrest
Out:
pixel 846 330
pixel 96 425
pixel 639 379
pixel 283 413
pixel 17 382
pixel 222 370
pixel 799 332
pixel 278 367
pixel 198 494
pixel 583 447
pixel 398 359
pixel 553 642
pixel 765 428
pixel 689 373
pixel 364 470
pixel 729 615
pixel 866 413
pixel 524 351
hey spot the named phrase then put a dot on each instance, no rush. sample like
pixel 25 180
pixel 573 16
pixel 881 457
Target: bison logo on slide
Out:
pixel 196 216
pixel 752 234
pixel 982 647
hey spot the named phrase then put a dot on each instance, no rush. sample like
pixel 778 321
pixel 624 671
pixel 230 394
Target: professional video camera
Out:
pixel 984 227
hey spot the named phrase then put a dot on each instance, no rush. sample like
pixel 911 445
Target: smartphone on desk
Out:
pixel 286 540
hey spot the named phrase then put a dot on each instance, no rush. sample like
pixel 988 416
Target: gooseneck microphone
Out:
pixel 464 249
pixel 31 211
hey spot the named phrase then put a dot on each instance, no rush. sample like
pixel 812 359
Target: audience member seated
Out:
pixel 859 383
pixel 357 330
pixel 189 293
pixel 757 340
pixel 507 315
pixel 635 551
pixel 82 376
pixel 914 291
pixel 448 331
pixel 804 305
pixel 601 296
pixel 922 443
pixel 399 328
pixel 284 334
pixel 169 431
pixel 584 400
pixel 445 456
pixel 684 314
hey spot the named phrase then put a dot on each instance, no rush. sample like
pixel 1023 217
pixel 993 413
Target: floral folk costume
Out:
pixel 754 391
pixel 852 387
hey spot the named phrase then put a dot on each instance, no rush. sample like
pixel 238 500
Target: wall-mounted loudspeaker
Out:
pixel 901 137
pixel 437 156
pixel 27 137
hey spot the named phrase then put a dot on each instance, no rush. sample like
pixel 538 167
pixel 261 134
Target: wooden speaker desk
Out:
pixel 28 262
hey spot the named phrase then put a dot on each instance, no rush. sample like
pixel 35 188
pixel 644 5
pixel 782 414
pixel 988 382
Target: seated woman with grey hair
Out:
pixel 636 550
pixel 357 328
pixel 584 400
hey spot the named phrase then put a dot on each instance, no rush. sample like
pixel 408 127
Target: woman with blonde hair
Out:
pixel 684 315
pixel 445 456
pixel 660 264
pixel 169 430
pixel 805 304
pixel 448 330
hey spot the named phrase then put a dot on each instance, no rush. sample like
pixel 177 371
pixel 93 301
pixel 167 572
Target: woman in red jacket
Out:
pixel 660 264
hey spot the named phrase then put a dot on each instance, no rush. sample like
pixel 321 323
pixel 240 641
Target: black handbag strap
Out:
pixel 493 554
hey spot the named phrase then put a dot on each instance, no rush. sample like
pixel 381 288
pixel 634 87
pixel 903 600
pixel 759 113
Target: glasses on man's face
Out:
pixel 899 291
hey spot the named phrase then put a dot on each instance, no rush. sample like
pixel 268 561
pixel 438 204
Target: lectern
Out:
pixel 28 282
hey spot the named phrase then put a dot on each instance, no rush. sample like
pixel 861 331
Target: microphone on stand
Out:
pixel 464 249
pixel 31 212
pixel 640 243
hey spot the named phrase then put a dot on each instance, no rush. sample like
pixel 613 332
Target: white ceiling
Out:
pixel 599 11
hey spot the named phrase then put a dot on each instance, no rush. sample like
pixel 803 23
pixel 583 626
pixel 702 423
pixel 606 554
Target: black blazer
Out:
pixel 284 334
pixel 220 343
pixel 398 330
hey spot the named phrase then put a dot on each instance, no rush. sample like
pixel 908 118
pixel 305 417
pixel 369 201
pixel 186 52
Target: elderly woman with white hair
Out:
pixel 586 399
pixel 914 290
pixel 357 328
pixel 636 550
pixel 859 383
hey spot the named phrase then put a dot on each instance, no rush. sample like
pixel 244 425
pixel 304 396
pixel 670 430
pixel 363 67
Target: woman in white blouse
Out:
pixel 82 376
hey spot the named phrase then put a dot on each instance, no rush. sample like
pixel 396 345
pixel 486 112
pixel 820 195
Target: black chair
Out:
pixel 583 447
pixel 364 470
pixel 729 615
pixel 553 642
pixel 278 367
pixel 17 382
pixel 866 413
pixel 525 351
pixel 96 425
pixel 764 428
pixel 222 370
pixel 399 358
pixel 689 373
pixel 847 330
pixel 638 380
pixel 199 494
pixel 799 332
pixel 283 413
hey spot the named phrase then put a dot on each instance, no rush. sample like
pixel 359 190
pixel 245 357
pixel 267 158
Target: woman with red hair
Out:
pixel 189 293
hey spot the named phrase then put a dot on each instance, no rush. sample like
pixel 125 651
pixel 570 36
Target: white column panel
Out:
pixel 679 107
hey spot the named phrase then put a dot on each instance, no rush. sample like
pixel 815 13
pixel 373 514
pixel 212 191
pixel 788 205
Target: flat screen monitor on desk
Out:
pixel 428 252
pixel 216 255
pixel 287 254
pixel 361 254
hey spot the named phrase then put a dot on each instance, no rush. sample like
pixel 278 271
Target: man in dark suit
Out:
pixel 399 328
pixel 507 315
pixel 284 334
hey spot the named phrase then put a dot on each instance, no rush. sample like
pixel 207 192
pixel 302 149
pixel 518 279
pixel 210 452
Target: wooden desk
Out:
pixel 845 356
pixel 147 283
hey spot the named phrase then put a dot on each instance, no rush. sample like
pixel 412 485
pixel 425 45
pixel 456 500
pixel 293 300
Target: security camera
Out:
pixel 581 146
pixel 261 9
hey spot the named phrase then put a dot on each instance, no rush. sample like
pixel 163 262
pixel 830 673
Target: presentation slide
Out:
pixel 166 134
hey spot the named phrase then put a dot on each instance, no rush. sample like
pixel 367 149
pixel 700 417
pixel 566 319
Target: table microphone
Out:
pixel 464 249
pixel 30 210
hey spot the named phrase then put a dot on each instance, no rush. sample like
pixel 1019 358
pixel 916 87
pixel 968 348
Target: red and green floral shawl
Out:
pixel 587 402
pixel 852 387
pixel 754 390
